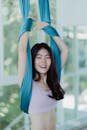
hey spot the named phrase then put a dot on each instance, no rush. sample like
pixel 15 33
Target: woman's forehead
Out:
pixel 43 51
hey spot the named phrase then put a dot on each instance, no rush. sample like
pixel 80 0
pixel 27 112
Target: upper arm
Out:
pixel 63 49
pixel 23 41
pixel 62 46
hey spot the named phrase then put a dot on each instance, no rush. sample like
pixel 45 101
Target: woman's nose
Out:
pixel 43 60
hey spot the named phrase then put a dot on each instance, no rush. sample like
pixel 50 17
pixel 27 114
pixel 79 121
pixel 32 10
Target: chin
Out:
pixel 43 71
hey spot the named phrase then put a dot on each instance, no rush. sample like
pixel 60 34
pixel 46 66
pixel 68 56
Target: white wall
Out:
pixel 72 12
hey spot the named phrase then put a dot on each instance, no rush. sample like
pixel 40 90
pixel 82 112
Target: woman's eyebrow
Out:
pixel 47 54
pixel 39 54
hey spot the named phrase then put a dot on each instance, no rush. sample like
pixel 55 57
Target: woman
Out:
pixel 45 84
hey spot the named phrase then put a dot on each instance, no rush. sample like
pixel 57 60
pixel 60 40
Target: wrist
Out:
pixel 26 27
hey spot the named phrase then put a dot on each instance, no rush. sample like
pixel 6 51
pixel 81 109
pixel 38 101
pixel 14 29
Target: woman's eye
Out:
pixel 48 57
pixel 38 57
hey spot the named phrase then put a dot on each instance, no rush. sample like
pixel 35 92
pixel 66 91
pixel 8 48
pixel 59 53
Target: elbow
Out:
pixel 23 43
pixel 67 51
pixel 64 56
pixel 19 83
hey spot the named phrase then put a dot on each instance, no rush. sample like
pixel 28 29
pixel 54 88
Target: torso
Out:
pixel 40 102
pixel 43 121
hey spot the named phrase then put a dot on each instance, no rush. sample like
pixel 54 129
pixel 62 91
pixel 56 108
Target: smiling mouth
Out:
pixel 43 67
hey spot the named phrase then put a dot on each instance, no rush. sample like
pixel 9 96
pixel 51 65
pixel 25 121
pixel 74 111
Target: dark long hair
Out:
pixel 52 76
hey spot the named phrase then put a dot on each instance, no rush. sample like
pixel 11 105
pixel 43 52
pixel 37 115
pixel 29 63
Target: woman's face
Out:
pixel 42 61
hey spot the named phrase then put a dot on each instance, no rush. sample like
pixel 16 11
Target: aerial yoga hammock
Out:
pixel 26 87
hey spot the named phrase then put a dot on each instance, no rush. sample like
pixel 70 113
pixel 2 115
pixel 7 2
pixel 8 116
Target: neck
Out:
pixel 43 78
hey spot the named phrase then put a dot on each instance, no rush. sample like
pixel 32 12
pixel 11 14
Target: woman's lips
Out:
pixel 43 67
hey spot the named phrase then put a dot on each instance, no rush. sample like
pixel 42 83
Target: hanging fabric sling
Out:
pixel 26 87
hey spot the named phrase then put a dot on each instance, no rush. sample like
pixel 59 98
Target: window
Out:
pixel 74 78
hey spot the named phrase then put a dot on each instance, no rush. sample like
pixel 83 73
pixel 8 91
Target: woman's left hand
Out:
pixel 40 25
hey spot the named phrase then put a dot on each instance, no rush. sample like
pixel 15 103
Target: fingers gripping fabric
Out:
pixel 26 87
pixel 27 26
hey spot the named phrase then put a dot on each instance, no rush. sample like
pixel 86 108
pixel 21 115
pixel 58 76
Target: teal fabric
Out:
pixel 56 52
pixel 25 8
pixel 26 87
pixel 27 26
pixel 44 10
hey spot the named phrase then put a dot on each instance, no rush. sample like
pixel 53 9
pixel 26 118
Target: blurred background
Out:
pixel 69 18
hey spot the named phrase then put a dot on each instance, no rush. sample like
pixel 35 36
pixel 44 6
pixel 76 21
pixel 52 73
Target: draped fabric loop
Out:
pixel 26 87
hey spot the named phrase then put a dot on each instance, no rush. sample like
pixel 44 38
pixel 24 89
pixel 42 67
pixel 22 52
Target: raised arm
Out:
pixel 22 56
pixel 63 49
pixel 22 48
pixel 61 45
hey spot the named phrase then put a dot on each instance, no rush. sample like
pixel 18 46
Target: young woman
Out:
pixel 45 84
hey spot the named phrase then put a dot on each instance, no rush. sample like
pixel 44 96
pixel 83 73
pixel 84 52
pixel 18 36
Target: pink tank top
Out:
pixel 40 102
